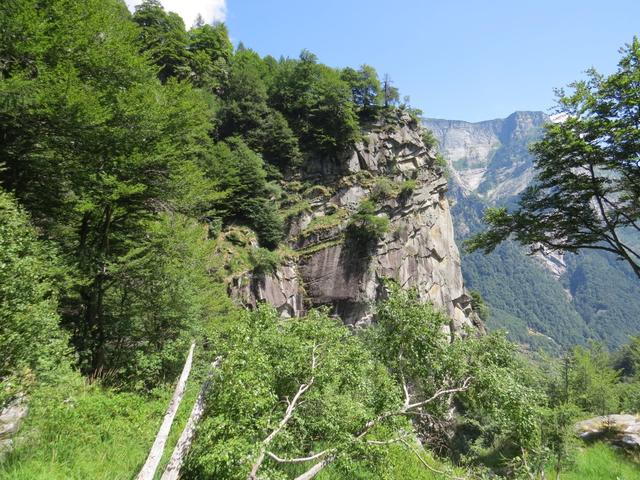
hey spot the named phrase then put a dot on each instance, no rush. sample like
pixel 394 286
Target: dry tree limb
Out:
pixel 172 471
pixel 150 466
pixel 291 406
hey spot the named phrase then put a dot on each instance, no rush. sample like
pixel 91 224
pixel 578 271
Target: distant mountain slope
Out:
pixel 554 301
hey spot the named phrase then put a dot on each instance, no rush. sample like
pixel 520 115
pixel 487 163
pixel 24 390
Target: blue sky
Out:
pixel 465 59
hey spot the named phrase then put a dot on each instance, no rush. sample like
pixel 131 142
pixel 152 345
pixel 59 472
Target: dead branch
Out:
pixel 300 459
pixel 149 469
pixel 172 471
pixel 291 406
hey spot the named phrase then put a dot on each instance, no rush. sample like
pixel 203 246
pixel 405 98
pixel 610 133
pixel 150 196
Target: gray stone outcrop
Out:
pixel 418 251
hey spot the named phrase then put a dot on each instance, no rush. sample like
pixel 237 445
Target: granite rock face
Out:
pixel 11 417
pixel 392 167
pixel 490 158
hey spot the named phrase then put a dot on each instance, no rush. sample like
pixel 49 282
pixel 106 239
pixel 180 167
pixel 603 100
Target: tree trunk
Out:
pixel 186 438
pixel 151 465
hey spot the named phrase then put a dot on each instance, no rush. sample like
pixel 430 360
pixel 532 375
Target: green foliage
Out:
pixel 316 102
pixel 596 298
pixel 31 341
pixel 479 306
pixel 210 51
pixel 441 162
pixel 164 38
pixel 592 380
pixel 168 302
pixel 245 111
pixel 513 286
pixel 366 228
pixel 499 404
pixel 326 222
pixel 558 435
pixel 407 187
pixel 586 188
pixel 264 261
pixel 383 189
pixel 240 173
pixel 429 139
pixel 115 146
pixel 267 361
pixel 365 86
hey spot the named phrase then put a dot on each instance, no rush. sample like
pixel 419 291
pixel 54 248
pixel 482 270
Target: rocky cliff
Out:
pixel 392 167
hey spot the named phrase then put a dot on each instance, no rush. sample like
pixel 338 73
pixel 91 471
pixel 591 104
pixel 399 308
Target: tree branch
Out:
pixel 291 406
pixel 300 459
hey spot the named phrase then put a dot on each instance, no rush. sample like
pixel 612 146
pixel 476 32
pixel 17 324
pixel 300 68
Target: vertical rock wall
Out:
pixel 392 167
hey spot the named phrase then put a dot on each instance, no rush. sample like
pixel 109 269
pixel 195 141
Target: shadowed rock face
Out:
pixel 417 251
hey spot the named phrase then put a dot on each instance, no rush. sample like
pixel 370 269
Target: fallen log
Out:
pixel 151 465
pixel 172 471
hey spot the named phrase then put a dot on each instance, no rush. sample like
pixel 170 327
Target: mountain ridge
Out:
pixel 490 165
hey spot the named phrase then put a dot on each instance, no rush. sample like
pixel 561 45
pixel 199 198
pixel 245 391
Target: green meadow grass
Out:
pixel 601 462
pixel 77 431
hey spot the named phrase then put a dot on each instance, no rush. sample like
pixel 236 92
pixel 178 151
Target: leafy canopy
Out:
pixel 587 190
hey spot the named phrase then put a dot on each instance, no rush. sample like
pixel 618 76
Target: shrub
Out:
pixel 264 261
pixel 365 228
pixel 31 341
pixel 407 188
pixel 383 189
pixel 429 139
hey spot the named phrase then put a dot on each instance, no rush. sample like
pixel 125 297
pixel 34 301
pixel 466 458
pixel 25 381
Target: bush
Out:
pixel 407 188
pixel 429 139
pixel 383 189
pixel 365 228
pixel 31 341
pixel 264 261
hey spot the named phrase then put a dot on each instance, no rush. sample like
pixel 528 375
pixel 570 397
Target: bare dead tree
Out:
pixel 172 471
pixel 150 466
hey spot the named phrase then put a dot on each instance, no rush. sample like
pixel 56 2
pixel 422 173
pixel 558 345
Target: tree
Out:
pixel 365 85
pixel 244 111
pixel 164 37
pixel 587 191
pixel 240 172
pixel 210 51
pixel 390 94
pixel 316 102
pixel 31 340
pixel 288 393
pixel 95 148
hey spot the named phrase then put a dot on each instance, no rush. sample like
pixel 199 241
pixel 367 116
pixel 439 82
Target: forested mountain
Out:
pixel 551 300
pixel 271 237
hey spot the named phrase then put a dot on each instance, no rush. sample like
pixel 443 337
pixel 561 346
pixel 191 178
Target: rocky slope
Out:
pixel 392 167
pixel 552 300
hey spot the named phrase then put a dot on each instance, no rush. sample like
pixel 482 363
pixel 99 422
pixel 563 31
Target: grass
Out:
pixel 601 462
pixel 399 464
pixel 325 222
pixel 79 431
pixel 319 246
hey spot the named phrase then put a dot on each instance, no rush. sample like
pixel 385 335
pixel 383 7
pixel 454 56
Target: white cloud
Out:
pixel 211 10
